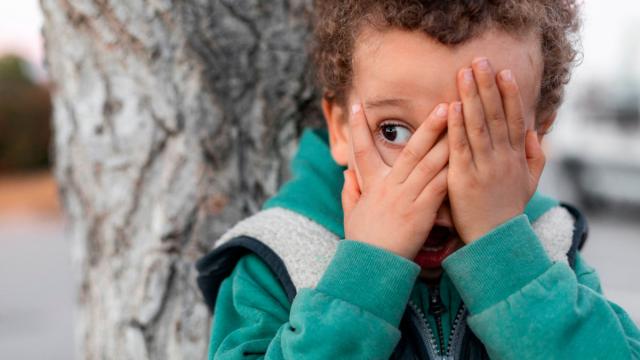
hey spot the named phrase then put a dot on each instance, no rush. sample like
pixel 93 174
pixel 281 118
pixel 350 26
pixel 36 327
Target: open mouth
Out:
pixel 438 238
pixel 440 243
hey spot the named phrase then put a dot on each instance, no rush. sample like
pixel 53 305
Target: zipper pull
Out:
pixel 436 307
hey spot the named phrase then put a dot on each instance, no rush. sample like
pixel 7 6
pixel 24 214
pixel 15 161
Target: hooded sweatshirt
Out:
pixel 522 302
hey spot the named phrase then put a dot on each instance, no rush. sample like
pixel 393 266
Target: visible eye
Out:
pixel 390 132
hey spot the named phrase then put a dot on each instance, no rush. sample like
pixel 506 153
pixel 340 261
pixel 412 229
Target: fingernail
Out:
pixel 355 108
pixel 442 110
pixel 483 64
pixel 467 75
pixel 457 107
pixel 506 75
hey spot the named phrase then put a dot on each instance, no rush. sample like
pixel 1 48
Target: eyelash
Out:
pixel 382 138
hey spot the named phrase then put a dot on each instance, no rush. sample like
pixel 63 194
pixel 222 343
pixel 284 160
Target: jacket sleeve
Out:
pixel 524 306
pixel 353 313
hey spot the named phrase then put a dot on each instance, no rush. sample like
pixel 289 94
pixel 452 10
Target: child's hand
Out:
pixel 492 174
pixel 394 207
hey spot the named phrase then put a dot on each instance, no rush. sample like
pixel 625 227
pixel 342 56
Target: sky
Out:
pixel 20 23
pixel 611 40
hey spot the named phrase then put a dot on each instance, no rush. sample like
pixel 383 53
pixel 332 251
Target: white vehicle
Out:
pixel 598 146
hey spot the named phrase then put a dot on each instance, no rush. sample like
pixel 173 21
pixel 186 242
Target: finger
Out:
pixel 535 157
pixel 459 152
pixel 419 144
pixel 434 193
pixel 427 169
pixel 512 108
pixel 350 191
pixel 367 160
pixel 492 102
pixel 473 114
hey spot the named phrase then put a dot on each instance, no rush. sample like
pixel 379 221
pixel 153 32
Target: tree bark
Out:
pixel 172 121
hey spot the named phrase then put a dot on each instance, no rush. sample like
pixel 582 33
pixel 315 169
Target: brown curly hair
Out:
pixel 451 22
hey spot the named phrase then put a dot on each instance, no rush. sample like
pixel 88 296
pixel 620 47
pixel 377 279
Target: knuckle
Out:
pixel 460 145
pixel 406 214
pixel 426 166
pixel 440 188
pixel 508 157
pixel 471 93
pixel 434 126
pixel 478 183
pixel 512 162
pixel 514 88
pixel 360 152
pixel 518 121
pixel 490 174
pixel 486 83
pixel 509 88
pixel 409 153
pixel 478 130
pixel 496 118
pixel 472 184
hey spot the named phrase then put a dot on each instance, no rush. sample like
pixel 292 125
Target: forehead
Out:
pixel 411 65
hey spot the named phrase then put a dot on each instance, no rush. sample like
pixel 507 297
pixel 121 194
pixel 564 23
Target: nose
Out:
pixel 443 216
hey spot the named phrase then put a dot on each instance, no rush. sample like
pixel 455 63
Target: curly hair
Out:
pixel 451 22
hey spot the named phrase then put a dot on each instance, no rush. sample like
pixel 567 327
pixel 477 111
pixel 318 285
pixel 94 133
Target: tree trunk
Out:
pixel 172 121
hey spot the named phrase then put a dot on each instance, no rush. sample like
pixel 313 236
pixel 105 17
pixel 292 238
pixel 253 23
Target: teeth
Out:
pixel 433 248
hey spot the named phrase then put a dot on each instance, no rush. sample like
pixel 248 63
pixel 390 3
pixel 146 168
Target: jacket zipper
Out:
pixel 423 325
pixel 458 328
pixel 436 308
pixel 455 336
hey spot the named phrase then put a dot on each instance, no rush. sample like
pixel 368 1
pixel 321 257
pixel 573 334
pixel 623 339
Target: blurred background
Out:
pixel 593 162
pixel 36 293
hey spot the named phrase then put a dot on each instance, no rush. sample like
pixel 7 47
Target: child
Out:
pixel 435 244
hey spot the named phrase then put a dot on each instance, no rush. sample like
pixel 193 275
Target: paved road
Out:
pixel 35 290
pixel 614 250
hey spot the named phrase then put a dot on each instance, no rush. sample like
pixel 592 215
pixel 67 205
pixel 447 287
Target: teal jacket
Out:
pixel 521 304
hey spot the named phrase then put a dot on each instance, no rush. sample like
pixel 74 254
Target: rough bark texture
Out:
pixel 172 120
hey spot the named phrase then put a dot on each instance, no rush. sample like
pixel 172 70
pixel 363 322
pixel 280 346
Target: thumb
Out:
pixel 350 191
pixel 535 155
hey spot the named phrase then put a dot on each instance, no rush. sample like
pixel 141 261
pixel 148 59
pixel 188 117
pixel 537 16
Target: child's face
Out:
pixel 400 76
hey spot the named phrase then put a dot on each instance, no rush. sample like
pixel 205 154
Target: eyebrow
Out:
pixel 397 102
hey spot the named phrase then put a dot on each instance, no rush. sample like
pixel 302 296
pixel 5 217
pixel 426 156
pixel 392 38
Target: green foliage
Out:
pixel 14 69
pixel 25 112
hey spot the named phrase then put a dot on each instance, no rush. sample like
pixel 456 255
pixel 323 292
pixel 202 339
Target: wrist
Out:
pixel 371 278
pixel 397 248
pixel 498 264
pixel 476 231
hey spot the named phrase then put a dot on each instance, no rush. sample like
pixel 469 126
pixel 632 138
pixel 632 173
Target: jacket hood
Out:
pixel 315 187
